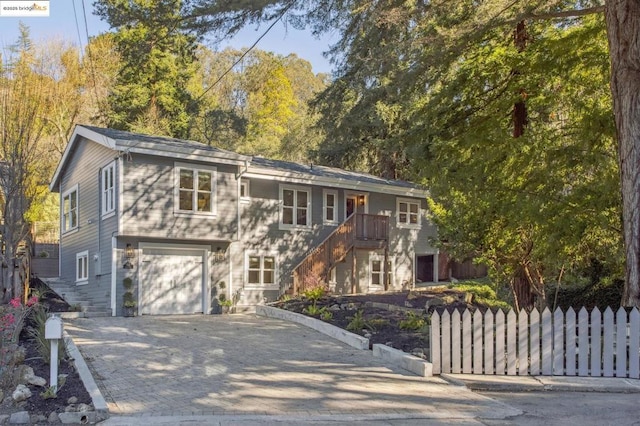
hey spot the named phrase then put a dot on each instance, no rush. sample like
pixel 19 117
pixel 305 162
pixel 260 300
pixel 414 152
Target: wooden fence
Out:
pixel 589 344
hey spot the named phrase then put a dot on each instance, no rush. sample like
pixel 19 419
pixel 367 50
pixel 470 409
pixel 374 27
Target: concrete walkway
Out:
pixel 243 369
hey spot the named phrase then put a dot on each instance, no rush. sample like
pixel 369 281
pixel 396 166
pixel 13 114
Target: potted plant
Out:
pixel 225 303
pixel 128 300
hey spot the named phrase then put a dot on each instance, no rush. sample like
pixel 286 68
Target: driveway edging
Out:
pixel 332 331
pixel 99 403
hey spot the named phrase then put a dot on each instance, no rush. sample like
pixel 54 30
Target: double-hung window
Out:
pixel 377 272
pixel 82 267
pixel 261 270
pixel 295 207
pixel 195 189
pixel 70 210
pixel 108 189
pixel 330 207
pixel 408 213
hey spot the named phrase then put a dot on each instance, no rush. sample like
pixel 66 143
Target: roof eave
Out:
pixel 305 178
pixel 79 131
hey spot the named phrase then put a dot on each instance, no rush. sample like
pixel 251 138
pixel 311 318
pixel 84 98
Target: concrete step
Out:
pixel 97 314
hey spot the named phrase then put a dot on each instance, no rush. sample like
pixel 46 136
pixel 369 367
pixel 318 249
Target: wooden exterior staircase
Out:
pixel 359 231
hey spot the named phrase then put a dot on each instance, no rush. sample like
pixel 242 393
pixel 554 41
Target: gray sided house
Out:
pixel 188 222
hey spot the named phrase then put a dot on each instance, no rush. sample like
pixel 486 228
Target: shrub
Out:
pixel 12 319
pixel 36 333
pixel 314 294
pixel 358 323
pixel 413 322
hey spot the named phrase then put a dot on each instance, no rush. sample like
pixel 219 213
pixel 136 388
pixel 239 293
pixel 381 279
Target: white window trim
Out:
pixel 326 221
pixel 261 286
pixel 108 211
pixel 374 257
pixel 283 226
pixel 79 256
pixel 404 224
pixel 176 190
pixel 247 197
pixel 75 189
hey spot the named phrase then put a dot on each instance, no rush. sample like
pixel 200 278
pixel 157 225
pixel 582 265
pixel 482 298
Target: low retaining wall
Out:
pixel 337 333
pixel 393 356
pixel 404 360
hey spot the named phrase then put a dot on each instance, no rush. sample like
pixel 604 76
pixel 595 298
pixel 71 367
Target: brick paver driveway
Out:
pixel 244 364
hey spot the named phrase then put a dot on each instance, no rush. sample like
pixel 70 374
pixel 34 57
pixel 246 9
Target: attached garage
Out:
pixel 172 279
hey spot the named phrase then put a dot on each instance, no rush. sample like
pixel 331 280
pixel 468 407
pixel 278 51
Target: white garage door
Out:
pixel 171 281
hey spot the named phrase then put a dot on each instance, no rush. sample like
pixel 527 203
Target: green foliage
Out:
pixel 357 323
pixel 128 298
pixel 38 319
pixel 483 294
pixel 152 93
pixel 606 293
pixel 315 311
pixel 412 322
pixel 314 294
pixel 326 315
pixel 259 107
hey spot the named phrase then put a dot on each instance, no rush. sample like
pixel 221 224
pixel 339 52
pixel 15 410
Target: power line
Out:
pixel 93 71
pixel 75 15
pixel 246 52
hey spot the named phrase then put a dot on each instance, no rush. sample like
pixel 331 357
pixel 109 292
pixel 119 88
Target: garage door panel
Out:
pixel 172 281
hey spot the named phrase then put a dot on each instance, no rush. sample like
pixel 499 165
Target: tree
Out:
pixel 151 94
pixel 259 106
pixel 407 64
pixel 623 30
pixel 24 101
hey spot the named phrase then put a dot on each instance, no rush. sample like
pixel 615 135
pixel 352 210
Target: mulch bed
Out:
pixel 385 323
pixel 72 387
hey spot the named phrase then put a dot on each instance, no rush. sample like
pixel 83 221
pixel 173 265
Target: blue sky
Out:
pixel 61 23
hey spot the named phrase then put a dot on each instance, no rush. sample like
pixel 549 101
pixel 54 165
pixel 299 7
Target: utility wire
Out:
pixel 246 52
pixel 75 15
pixel 91 66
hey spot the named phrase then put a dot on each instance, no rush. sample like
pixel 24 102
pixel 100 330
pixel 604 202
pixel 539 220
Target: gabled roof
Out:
pixel 121 141
pixel 254 167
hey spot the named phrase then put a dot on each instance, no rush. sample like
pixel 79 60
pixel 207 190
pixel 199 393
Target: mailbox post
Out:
pixel 53 332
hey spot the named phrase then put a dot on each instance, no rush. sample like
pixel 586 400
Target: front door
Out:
pixel 355 203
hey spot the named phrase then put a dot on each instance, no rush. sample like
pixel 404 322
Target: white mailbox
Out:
pixel 53 328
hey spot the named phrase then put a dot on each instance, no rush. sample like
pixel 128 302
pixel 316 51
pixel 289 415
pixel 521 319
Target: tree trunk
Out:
pixel 623 29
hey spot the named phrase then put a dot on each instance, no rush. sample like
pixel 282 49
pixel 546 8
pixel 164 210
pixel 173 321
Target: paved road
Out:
pixel 569 408
pixel 232 367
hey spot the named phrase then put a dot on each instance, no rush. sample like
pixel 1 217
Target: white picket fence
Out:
pixel 558 344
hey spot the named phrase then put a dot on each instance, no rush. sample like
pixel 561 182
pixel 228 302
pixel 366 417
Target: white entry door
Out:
pixel 171 281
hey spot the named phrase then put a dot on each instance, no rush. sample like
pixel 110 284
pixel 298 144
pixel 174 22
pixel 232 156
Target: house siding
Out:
pixel 260 233
pixel 90 224
pixel 148 202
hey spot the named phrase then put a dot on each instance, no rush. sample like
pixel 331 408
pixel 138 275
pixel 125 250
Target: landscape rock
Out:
pixel 83 408
pixel 419 352
pixel 53 417
pixel 334 307
pixel 436 301
pixel 20 418
pixel 28 376
pixel 38 419
pixel 72 400
pixel 71 408
pixel 4 418
pixel 449 299
pixel 408 304
pixel 22 393
pixel 77 418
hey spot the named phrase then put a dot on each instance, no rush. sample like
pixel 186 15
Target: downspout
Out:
pixel 114 271
pixel 241 171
